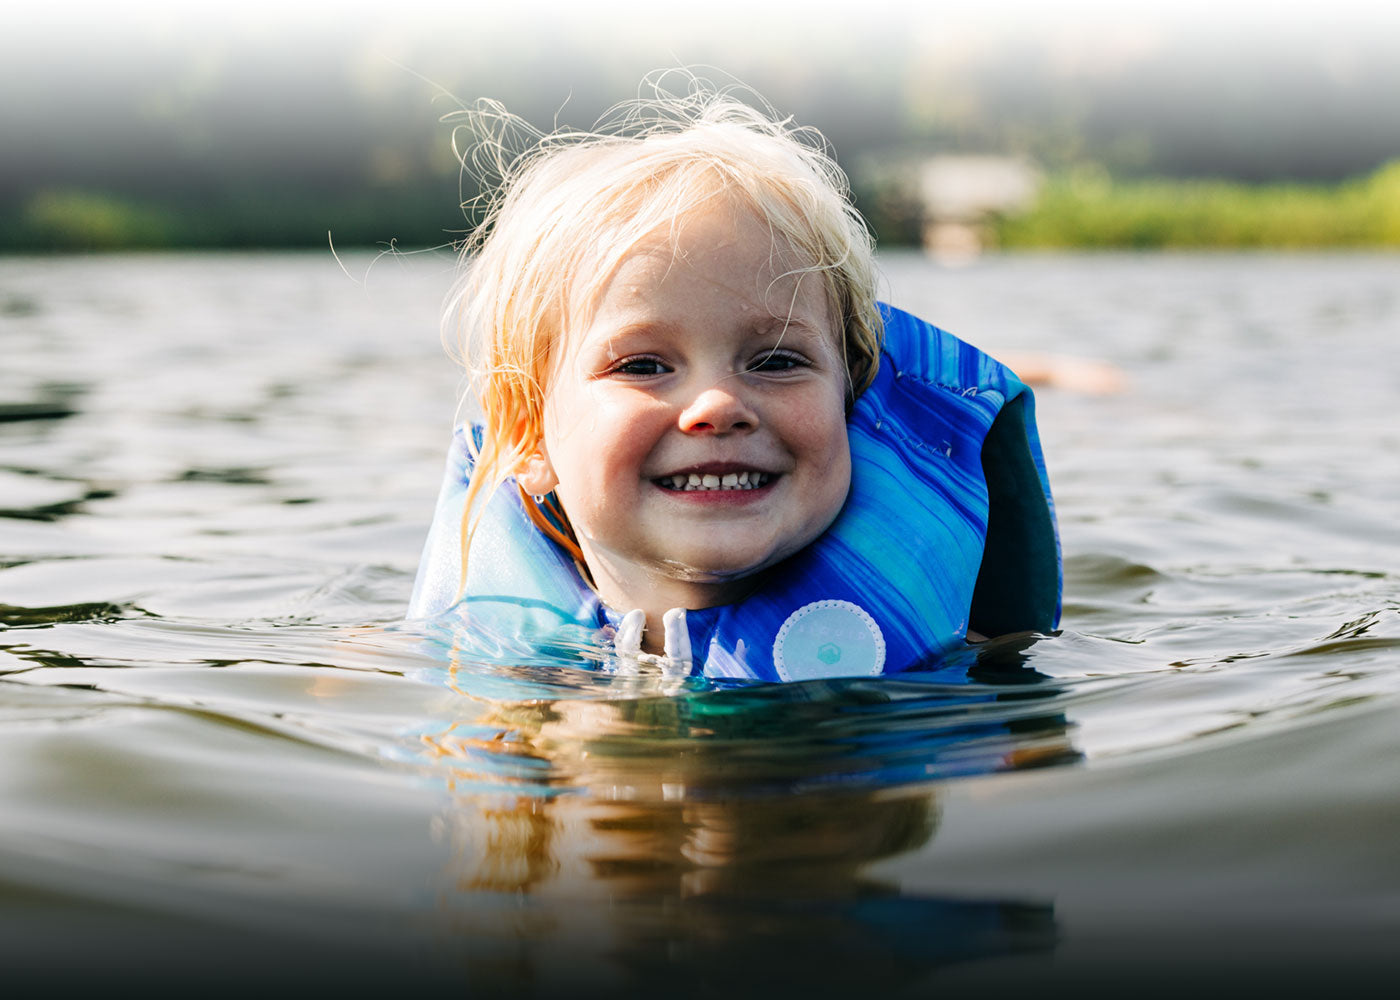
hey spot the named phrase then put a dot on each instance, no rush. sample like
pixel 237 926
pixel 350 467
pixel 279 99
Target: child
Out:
pixel 702 434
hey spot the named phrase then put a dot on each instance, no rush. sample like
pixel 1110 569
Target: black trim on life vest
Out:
pixel 1018 584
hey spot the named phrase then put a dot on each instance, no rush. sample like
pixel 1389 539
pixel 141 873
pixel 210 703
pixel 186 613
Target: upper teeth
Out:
pixel 709 481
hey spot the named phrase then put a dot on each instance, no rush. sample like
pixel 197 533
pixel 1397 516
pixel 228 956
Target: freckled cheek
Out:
pixel 836 476
pixel 601 450
pixel 632 426
pixel 577 421
pixel 820 432
pixel 832 456
pixel 829 444
pixel 841 478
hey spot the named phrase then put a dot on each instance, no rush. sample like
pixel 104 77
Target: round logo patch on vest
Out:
pixel 828 639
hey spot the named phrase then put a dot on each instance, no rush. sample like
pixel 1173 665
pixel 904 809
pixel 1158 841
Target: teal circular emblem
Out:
pixel 828 639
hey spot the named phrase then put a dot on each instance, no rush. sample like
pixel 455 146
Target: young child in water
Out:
pixel 667 331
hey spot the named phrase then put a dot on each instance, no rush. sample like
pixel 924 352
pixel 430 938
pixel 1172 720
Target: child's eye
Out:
pixel 778 361
pixel 639 367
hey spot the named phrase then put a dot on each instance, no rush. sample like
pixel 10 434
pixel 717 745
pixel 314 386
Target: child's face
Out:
pixel 704 363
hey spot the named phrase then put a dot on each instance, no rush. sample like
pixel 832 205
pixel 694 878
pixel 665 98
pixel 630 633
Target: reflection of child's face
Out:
pixel 704 364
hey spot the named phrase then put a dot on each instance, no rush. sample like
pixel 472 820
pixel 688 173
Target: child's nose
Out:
pixel 718 410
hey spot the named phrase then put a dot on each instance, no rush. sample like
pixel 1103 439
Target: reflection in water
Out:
pixel 718 839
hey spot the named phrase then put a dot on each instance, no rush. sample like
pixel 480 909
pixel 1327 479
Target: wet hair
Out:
pixel 561 210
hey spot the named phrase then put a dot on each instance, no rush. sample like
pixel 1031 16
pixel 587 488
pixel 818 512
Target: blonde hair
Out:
pixel 560 212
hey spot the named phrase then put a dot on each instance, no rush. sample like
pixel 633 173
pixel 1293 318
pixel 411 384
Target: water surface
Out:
pixel 220 757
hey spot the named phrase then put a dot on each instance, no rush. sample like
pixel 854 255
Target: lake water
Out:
pixel 221 762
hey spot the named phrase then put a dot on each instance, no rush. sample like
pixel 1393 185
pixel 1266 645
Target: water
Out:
pixel 220 761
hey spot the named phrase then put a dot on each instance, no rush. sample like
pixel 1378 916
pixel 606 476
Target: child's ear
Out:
pixel 536 474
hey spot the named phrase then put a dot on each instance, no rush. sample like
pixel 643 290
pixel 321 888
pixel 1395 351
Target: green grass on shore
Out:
pixel 1088 209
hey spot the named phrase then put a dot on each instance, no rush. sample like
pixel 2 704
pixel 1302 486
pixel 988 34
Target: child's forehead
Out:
pixel 709 247
pixel 708 239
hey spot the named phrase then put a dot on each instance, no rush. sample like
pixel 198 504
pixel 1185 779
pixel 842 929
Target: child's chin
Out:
pixel 742 571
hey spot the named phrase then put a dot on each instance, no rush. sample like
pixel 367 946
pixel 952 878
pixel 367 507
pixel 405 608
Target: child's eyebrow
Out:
pixel 790 322
pixel 633 330
pixel 624 340
pixel 785 327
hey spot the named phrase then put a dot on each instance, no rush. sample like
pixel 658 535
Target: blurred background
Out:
pixel 962 126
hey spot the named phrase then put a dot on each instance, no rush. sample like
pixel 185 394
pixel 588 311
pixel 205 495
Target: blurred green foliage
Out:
pixel 1084 208
pixel 84 220
pixel 62 219
pixel 1087 208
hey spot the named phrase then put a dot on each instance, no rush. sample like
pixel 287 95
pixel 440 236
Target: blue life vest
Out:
pixel 949 525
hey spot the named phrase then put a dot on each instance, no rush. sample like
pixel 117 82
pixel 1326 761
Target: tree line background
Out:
pixel 164 129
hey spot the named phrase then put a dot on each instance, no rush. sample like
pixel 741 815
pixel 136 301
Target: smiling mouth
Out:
pixel 696 482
